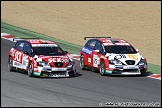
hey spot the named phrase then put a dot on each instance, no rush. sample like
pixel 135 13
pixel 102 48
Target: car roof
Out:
pixel 40 41
pixel 36 41
pixel 113 41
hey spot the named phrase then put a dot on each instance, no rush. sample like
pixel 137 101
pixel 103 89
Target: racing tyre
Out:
pixel 72 74
pixel 30 70
pixel 143 72
pixel 102 68
pixel 10 64
pixel 82 66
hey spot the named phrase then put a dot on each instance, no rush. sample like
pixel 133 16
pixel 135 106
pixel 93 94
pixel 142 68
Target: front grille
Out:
pixel 130 62
pixel 58 64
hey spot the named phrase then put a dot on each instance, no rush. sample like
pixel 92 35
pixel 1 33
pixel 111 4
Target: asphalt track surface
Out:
pixel 88 89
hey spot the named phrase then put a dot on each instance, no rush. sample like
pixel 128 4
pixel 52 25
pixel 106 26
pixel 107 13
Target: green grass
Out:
pixel 70 47
pixel 154 68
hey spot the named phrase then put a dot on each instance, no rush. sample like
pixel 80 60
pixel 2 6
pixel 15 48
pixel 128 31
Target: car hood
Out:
pixel 125 58
pixel 55 61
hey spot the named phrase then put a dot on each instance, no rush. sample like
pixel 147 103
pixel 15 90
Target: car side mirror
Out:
pixel 137 50
pixel 66 52
pixel 25 52
pixel 104 53
pixel 97 51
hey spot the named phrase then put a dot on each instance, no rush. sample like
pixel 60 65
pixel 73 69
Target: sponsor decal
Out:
pixel 89 60
pixel 120 56
pixel 13 52
pixel 50 60
pixel 18 56
pixel 59 69
pixel 56 75
pixel 36 69
pixel 45 75
pixel 134 57
pixel 17 64
pixel 86 50
pixel 106 44
pixel 130 67
pixel 122 44
pixel 96 60
pixel 108 72
pixel 37 73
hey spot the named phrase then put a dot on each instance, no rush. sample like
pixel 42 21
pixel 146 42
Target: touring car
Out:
pixel 41 58
pixel 112 56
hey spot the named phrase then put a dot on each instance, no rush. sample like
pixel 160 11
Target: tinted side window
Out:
pixel 91 44
pixel 16 44
pixel 27 48
pixel 99 47
pixel 20 46
pixel 87 44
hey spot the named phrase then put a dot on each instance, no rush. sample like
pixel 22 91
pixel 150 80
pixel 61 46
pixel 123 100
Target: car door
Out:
pixel 87 51
pixel 25 57
pixel 17 57
pixel 97 53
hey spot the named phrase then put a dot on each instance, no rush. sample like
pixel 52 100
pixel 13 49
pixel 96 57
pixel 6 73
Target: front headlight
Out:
pixel 43 63
pixel 115 62
pixel 142 62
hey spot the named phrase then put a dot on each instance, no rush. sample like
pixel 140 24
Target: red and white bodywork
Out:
pixel 112 56
pixel 46 61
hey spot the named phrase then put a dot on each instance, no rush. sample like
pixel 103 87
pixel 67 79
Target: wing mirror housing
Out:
pixel 97 51
pixel 66 52
pixel 137 50
pixel 26 52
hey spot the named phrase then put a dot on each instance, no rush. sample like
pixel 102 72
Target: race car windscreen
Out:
pixel 48 51
pixel 120 49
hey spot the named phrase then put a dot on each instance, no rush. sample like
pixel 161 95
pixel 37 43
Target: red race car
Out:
pixel 112 56
pixel 41 58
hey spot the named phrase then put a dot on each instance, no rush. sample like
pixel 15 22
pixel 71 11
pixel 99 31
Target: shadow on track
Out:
pixel 25 73
pixel 148 73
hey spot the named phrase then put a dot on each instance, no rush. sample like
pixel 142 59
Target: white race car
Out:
pixel 112 56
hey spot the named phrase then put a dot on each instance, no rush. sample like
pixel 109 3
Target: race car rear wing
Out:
pixel 95 37
pixel 16 39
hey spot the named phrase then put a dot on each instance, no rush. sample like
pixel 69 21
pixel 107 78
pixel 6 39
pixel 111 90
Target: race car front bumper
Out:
pixel 55 72
pixel 126 70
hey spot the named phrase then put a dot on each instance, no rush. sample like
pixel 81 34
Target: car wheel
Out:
pixel 102 68
pixel 30 70
pixel 72 74
pixel 10 64
pixel 82 66
pixel 143 72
